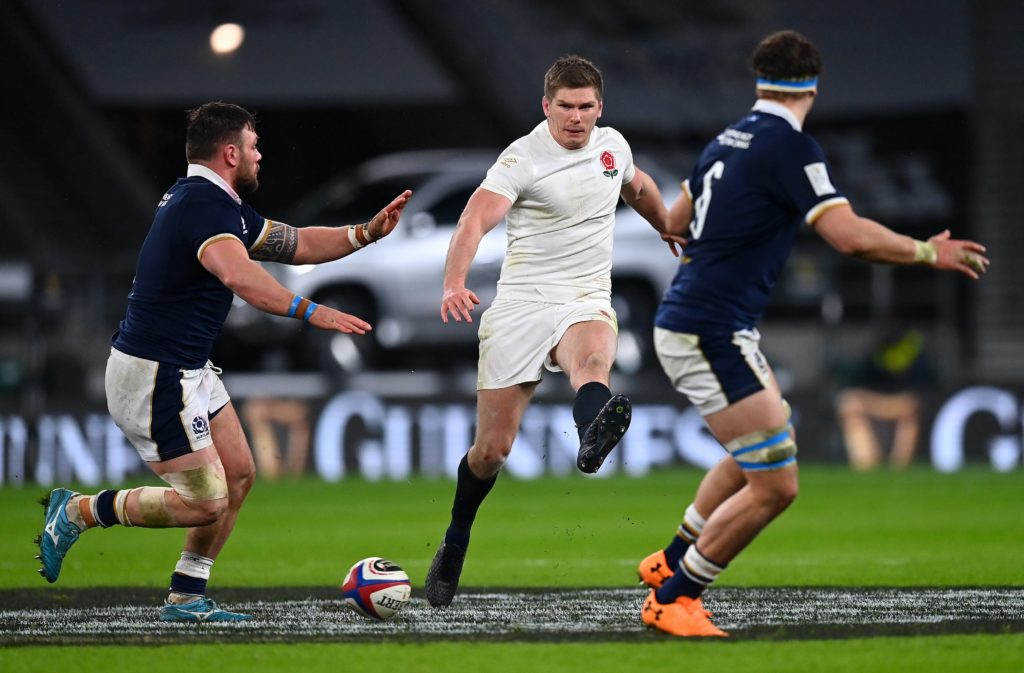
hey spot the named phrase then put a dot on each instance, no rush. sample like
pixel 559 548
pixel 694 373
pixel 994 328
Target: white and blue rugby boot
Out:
pixel 59 533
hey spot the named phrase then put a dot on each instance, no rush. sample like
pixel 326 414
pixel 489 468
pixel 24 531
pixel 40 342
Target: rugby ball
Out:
pixel 376 588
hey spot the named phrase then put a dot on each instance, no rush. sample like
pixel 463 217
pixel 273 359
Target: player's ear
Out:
pixel 600 107
pixel 230 153
pixel 545 105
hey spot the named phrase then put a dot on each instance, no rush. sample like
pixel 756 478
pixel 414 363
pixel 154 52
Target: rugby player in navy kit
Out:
pixel 752 188
pixel 162 390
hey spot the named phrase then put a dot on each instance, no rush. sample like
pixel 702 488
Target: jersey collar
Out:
pixel 204 172
pixel 777 109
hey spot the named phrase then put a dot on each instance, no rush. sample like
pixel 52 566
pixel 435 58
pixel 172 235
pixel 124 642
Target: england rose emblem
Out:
pixel 608 161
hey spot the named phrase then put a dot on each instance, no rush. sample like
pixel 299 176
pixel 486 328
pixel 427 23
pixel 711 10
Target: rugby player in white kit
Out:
pixel 557 188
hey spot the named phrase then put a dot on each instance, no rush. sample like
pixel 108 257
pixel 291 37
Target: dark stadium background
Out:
pixel 920 111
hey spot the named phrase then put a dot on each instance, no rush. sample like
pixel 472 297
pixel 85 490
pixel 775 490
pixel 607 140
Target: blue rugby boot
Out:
pixel 202 609
pixel 59 533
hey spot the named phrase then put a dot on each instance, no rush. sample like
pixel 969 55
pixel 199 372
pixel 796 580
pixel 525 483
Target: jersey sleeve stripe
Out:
pixel 214 239
pixel 262 238
pixel 685 186
pixel 817 211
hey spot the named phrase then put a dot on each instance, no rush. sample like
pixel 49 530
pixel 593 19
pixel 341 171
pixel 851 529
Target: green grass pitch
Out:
pixel 913 528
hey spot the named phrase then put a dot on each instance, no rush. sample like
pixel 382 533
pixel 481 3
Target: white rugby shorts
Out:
pixel 517 338
pixel 163 410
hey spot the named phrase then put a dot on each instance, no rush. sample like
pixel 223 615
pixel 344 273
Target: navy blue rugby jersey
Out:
pixel 176 307
pixel 751 189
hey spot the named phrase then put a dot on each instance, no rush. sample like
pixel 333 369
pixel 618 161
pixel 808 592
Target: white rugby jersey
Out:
pixel 562 215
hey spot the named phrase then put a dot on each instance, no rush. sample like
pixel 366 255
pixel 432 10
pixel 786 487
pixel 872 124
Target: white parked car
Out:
pixel 396 284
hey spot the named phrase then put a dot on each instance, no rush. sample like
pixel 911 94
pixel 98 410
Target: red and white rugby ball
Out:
pixel 376 588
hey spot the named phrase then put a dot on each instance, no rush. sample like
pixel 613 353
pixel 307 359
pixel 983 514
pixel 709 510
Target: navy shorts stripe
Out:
pixel 731 369
pixel 168 433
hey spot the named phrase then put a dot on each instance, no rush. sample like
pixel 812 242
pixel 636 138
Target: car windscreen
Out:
pixel 352 201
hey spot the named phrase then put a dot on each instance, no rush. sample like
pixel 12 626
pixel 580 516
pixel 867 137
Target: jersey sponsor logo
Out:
pixel 508 162
pixel 608 161
pixel 817 174
pixel 200 427
pixel 734 138
pixel 245 229
pixel 164 200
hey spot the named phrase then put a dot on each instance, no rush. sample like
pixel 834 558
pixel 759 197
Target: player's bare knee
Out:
pixel 482 466
pixel 774 495
pixel 495 441
pixel 491 453
pixel 786 493
pixel 213 510
pixel 784 490
pixel 494 459
pixel 205 512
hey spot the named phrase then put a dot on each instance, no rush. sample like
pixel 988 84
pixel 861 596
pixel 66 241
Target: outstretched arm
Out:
pixel 228 260
pixel 313 245
pixel 642 195
pixel 483 212
pixel 861 237
pixel 679 216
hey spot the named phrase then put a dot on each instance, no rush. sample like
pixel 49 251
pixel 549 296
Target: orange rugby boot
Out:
pixel 683 617
pixel 655 569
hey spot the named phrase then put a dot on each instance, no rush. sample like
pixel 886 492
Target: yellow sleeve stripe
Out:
pixel 264 232
pixel 214 239
pixel 819 210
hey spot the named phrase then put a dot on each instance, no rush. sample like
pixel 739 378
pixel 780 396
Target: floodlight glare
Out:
pixel 226 38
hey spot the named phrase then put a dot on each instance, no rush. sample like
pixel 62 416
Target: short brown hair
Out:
pixel 786 55
pixel 572 72
pixel 213 124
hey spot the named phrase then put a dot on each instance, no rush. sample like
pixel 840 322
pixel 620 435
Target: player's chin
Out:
pixel 248 186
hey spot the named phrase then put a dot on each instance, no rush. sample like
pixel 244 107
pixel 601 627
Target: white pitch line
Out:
pixel 525 614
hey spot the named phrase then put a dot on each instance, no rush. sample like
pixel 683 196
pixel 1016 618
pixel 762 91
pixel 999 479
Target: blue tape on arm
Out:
pixel 309 311
pixel 294 305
